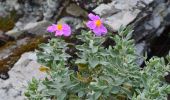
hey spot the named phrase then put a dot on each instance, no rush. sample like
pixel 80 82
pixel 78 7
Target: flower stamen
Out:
pixel 98 23
pixel 59 27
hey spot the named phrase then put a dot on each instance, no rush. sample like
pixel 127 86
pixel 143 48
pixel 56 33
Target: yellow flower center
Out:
pixel 59 27
pixel 98 23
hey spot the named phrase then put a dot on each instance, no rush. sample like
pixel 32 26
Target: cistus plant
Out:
pixel 97 71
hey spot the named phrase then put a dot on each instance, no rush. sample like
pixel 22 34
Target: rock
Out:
pixel 11 2
pixel 37 28
pixel 3 13
pixel 152 24
pixel 119 12
pixel 75 10
pixel 90 4
pixel 139 49
pixel 22 72
pixel 122 18
pixel 14 33
pixel 50 8
pixel 38 2
pixel 26 58
pixel 31 11
pixel 147 1
pixel 105 10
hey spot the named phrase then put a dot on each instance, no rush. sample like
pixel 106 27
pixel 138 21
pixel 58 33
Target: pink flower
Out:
pixel 95 24
pixel 60 29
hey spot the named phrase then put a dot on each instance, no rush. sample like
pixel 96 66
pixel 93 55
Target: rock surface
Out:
pixel 19 76
pixel 89 4
pixel 32 12
pixel 37 28
pixel 120 12
pixel 75 10
pixel 153 24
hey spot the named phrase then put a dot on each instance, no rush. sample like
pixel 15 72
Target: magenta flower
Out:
pixel 95 24
pixel 60 29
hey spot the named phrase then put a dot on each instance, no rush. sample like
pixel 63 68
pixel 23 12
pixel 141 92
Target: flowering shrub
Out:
pixel 91 70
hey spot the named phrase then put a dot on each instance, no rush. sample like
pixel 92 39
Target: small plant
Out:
pixel 97 72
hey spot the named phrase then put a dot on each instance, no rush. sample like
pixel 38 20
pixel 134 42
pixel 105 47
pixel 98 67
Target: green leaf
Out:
pixel 115 89
pixel 96 95
pixel 81 61
pixel 93 62
pixel 62 96
pixel 81 94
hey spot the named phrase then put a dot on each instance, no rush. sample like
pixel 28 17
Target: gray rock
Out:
pixel 152 24
pixel 105 10
pixel 90 4
pixel 11 2
pixel 119 12
pixel 122 18
pixel 3 11
pixel 38 2
pixel 75 10
pixel 38 28
pixel 147 1
pixel 139 50
pixel 32 11
pixel 50 8
pixel 22 72
pixel 14 33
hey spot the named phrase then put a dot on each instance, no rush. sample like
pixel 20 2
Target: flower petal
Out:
pixel 93 17
pixel 51 28
pixel 66 30
pixel 97 31
pixel 103 29
pixel 91 24
pixel 58 33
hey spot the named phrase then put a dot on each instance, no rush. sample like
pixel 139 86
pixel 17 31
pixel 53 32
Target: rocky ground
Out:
pixel 22 72
pixel 150 20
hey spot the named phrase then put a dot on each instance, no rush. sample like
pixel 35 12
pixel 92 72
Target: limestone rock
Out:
pixel 22 72
pixel 139 48
pixel 14 33
pixel 119 12
pixel 75 10
pixel 153 24
pixel 32 12
pixel 38 28
pixel 122 18
pixel 90 4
